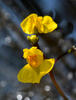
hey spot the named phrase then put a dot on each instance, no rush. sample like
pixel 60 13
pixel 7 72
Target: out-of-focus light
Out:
pixel 8 40
pixel 47 88
pixel 3 83
pixel 26 98
pixel 46 50
pixel 70 75
pixel 31 93
pixel 19 97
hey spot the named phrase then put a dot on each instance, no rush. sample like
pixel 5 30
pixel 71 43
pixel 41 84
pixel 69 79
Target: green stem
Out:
pixel 57 86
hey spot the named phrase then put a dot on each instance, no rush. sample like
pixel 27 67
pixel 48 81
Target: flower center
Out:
pixel 33 60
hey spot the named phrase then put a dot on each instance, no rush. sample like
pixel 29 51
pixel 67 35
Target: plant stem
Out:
pixel 52 74
pixel 73 49
pixel 57 86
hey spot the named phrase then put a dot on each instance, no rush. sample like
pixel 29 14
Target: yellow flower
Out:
pixel 38 24
pixel 37 66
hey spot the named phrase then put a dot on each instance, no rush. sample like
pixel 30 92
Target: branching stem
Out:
pixel 71 50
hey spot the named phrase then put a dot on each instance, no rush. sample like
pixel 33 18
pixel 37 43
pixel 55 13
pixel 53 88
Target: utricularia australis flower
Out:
pixel 37 65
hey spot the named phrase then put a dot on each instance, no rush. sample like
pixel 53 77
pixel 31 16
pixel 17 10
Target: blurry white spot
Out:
pixel 46 50
pixel 70 76
pixel 19 97
pixel 8 40
pixel 74 47
pixel 3 83
pixel 47 88
pixel 26 98
pixel 31 93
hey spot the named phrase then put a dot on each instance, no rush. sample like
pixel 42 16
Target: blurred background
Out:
pixel 13 40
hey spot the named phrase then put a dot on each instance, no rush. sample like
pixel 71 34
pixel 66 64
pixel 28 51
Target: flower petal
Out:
pixel 39 24
pixel 37 51
pixel 28 75
pixel 29 23
pixel 49 24
pixel 46 66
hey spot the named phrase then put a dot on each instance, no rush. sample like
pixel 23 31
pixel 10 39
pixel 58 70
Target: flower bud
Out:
pixel 33 39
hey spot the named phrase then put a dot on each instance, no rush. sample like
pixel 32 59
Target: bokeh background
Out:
pixel 13 40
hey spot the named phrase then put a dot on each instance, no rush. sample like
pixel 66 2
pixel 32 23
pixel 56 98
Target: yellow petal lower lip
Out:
pixel 28 75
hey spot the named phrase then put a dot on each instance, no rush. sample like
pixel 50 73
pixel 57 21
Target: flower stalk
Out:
pixel 57 86
pixel 51 73
pixel 53 77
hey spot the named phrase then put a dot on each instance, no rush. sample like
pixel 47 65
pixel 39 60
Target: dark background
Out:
pixel 13 40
